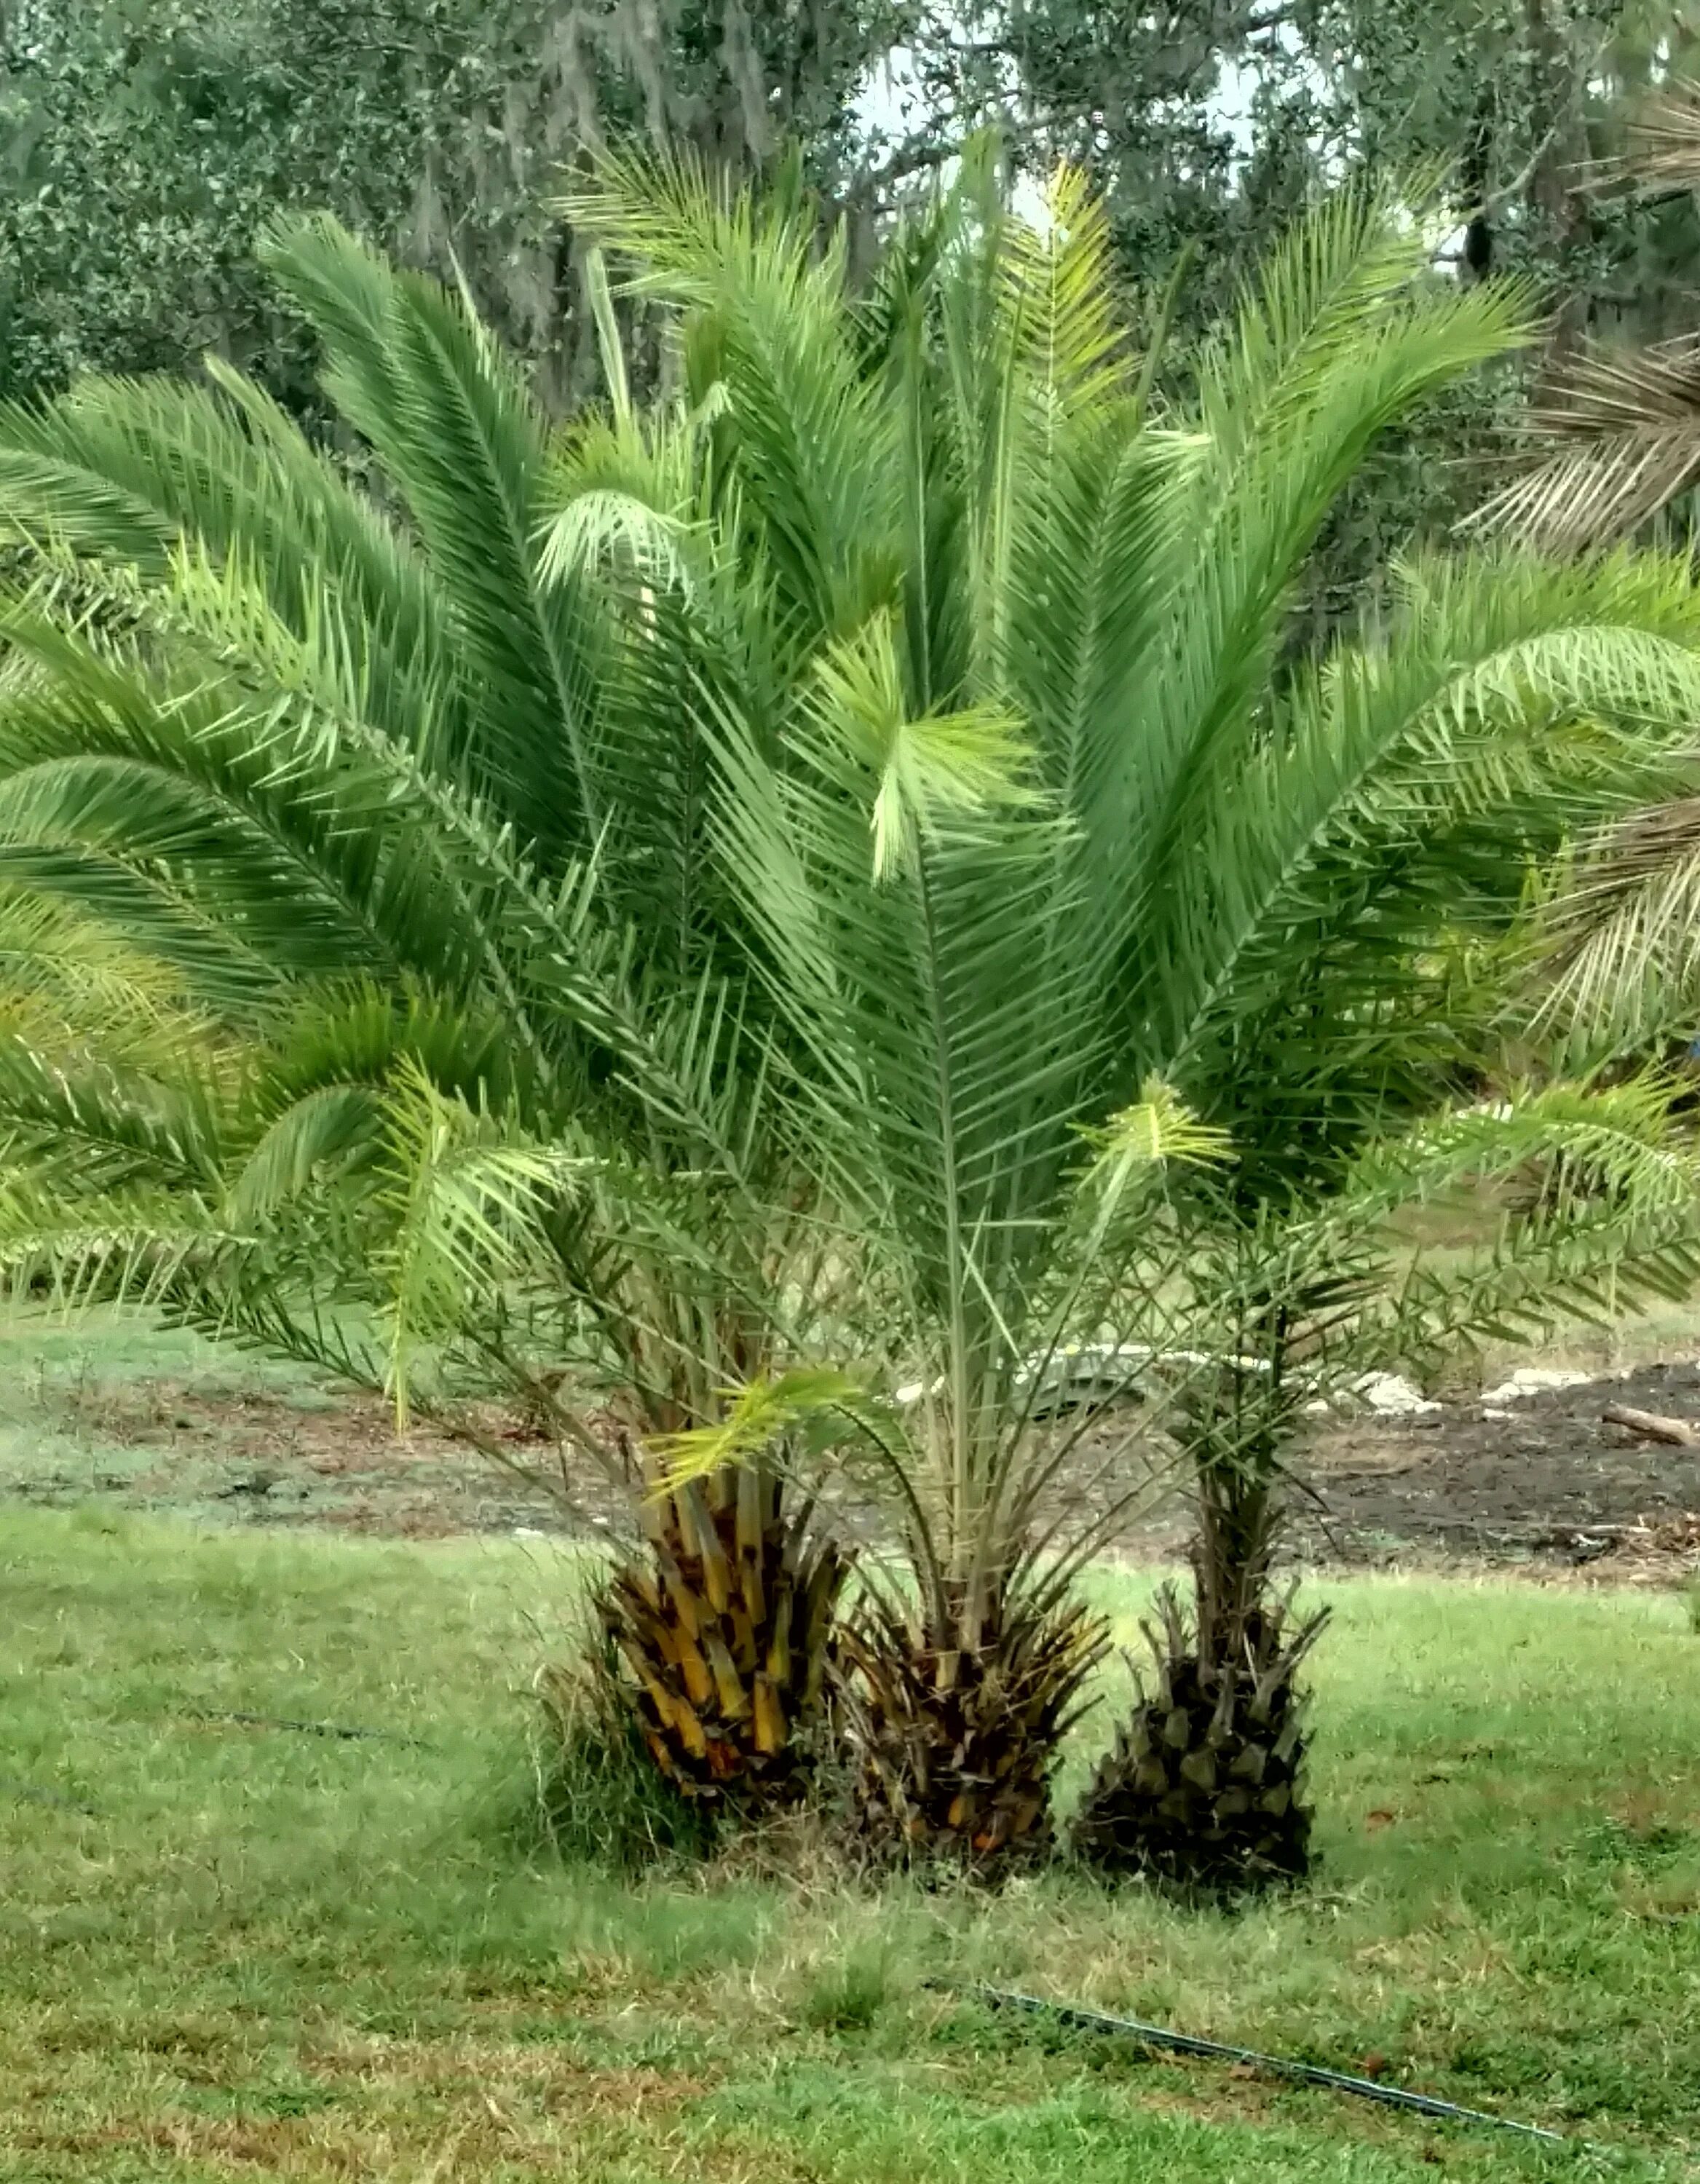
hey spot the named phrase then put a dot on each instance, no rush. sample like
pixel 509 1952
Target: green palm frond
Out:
pixel 103 1125
pixel 463 1194
pixel 1129 1151
pixel 926 769
pixel 106 773
pixel 1060 290
pixel 1621 1144
pixel 123 472
pixel 463 444
pixel 1418 782
pixel 769 326
pixel 1592 1194
pixel 597 525
pixel 67 981
pixel 1277 462
pixel 632 485
pixel 1357 264
pixel 325 1129
pixel 139 1247
pixel 1599 1266
pixel 352 1031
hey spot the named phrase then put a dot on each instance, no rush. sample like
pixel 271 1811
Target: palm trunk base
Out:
pixel 1204 1789
pixel 954 1744
pixel 722 1633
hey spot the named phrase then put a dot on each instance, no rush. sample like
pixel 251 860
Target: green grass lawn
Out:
pixel 269 1954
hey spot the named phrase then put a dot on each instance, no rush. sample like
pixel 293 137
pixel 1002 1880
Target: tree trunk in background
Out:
pixel 1557 192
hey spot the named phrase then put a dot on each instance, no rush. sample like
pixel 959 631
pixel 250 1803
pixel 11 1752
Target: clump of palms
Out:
pixel 1043 817
pixel 850 900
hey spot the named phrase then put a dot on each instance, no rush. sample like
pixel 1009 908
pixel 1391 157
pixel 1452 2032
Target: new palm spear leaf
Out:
pixel 722 902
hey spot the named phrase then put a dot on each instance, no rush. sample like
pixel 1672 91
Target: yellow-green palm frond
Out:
pixel 461 1197
pixel 68 980
pixel 925 770
pixel 824 1403
pixel 1060 294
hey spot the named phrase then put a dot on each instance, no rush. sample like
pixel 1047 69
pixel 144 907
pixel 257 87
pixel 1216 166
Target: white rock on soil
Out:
pixel 1391 1396
pixel 1535 1380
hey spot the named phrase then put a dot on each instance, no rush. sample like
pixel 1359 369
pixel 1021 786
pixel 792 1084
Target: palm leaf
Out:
pixel 463 444
pixel 1616 439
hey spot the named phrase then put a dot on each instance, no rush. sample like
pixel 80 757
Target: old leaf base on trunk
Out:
pixel 722 1631
pixel 1204 1787
pixel 954 1743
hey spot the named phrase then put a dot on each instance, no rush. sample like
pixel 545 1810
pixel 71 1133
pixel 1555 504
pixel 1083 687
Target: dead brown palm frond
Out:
pixel 1640 848
pixel 1663 150
pixel 1660 155
pixel 1616 439
pixel 1616 432
pixel 1625 928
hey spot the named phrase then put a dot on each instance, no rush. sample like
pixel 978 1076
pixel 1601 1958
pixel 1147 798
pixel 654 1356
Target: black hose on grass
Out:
pixel 28 1794
pixel 1309 2074
pixel 336 1729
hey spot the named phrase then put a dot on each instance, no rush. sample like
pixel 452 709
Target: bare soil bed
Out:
pixel 283 1457
pixel 1544 1480
pixel 1543 1484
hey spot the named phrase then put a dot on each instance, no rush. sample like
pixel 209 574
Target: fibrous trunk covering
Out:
pixel 955 1723
pixel 723 1631
pixel 1203 1788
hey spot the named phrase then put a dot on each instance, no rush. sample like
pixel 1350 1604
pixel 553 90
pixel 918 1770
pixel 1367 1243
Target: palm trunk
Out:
pixel 723 1631
pixel 956 1724
pixel 1204 1787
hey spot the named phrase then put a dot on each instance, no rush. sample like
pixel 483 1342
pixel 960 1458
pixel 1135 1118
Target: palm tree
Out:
pixel 1037 828
pixel 378 782
pixel 1297 1296
pixel 848 899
